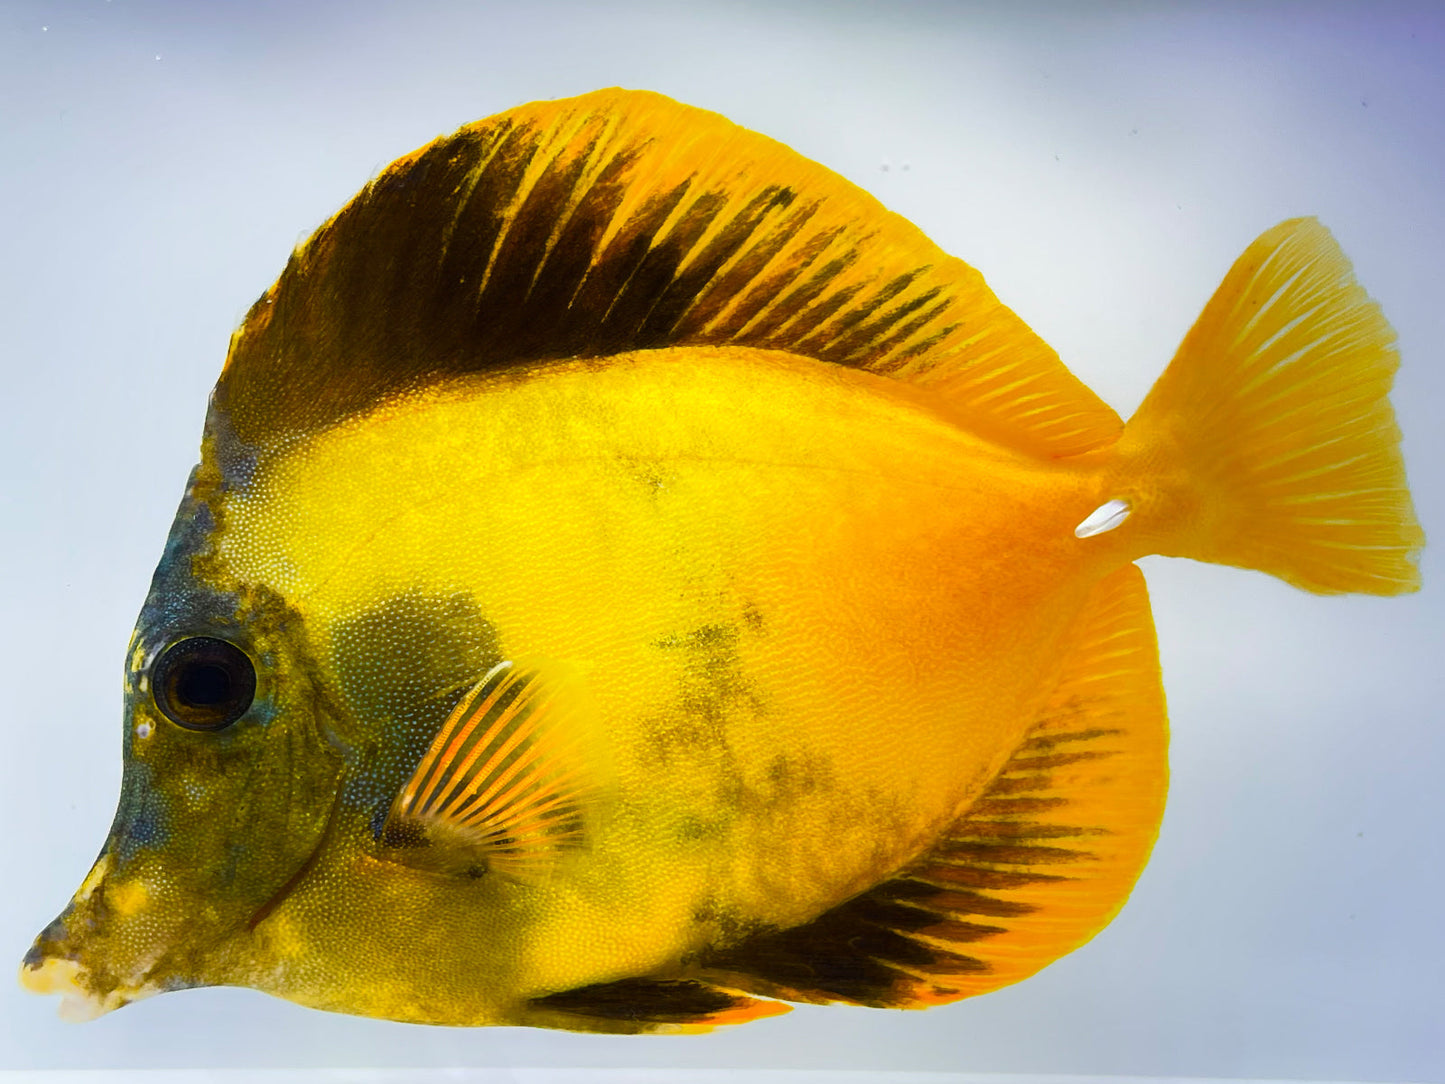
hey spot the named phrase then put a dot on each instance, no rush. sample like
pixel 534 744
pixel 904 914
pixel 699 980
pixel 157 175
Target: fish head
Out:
pixel 232 767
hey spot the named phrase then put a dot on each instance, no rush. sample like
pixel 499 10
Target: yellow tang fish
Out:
pixel 633 581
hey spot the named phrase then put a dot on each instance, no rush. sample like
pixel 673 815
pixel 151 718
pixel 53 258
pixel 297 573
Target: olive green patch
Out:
pixel 401 667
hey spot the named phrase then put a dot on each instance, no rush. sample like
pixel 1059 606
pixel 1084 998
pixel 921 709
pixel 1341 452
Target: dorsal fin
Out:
pixel 501 785
pixel 619 221
pixel 1039 864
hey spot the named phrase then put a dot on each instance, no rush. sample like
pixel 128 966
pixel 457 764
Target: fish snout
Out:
pixel 51 967
pixel 57 975
pixel 72 955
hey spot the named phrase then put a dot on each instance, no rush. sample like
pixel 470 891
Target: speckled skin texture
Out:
pixel 745 776
pixel 780 503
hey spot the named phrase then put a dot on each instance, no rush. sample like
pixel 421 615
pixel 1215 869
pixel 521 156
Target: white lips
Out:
pixel 77 1004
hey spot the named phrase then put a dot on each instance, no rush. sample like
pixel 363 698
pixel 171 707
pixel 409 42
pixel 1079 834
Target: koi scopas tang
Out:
pixel 633 581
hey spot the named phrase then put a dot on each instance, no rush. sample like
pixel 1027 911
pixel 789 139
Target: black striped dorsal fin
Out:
pixel 631 1006
pixel 1039 864
pixel 622 221
pixel 501 787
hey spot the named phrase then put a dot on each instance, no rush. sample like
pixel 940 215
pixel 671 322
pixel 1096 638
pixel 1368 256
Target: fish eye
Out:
pixel 203 683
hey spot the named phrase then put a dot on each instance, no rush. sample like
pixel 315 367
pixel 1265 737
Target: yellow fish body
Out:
pixel 633 580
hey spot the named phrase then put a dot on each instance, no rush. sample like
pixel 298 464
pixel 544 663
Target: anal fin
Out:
pixel 630 1006
pixel 1039 863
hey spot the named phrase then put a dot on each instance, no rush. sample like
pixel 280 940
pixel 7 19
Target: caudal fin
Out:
pixel 1269 442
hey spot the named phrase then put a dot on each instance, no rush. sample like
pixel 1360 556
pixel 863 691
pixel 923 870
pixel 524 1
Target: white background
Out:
pixel 1101 164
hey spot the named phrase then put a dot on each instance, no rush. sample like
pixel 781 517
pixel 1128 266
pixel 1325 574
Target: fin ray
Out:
pixel 1270 438
pixel 499 787
pixel 623 221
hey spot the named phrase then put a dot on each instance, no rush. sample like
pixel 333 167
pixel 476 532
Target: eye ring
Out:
pixel 203 683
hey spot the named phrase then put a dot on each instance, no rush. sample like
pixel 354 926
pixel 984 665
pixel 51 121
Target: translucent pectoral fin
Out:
pixel 502 786
pixel 1039 864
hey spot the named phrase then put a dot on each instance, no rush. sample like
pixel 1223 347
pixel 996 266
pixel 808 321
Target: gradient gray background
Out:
pixel 1102 165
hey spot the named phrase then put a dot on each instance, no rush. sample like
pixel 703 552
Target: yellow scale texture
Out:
pixel 885 647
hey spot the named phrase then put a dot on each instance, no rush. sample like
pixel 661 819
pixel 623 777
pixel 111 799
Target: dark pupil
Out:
pixel 203 683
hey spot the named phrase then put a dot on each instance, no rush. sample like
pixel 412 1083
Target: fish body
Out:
pixel 686 580
pixel 631 579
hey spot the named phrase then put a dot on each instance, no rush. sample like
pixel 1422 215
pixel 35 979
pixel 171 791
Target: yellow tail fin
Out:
pixel 1269 442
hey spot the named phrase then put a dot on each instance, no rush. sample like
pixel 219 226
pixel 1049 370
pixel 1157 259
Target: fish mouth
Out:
pixel 78 1001
pixel 53 964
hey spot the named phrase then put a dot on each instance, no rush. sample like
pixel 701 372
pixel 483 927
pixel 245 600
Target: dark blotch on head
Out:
pixel 412 648
pixel 402 666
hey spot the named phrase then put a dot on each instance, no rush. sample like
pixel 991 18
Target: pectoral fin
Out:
pixel 1039 864
pixel 502 786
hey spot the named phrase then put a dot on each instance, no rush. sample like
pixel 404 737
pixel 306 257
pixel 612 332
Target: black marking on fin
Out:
pixel 615 222
pixel 637 1005
pixel 872 950
pixel 641 1000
